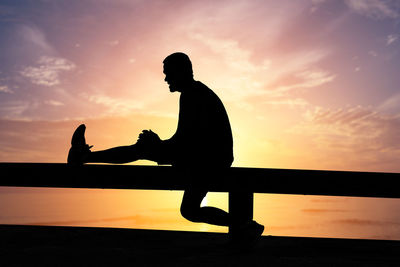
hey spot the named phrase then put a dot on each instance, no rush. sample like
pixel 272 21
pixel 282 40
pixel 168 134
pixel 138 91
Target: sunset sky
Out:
pixel 309 84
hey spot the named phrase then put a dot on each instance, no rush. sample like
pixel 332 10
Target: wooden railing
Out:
pixel 240 183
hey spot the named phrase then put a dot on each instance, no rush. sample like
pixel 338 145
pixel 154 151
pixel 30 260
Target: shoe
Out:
pixel 246 235
pixel 79 149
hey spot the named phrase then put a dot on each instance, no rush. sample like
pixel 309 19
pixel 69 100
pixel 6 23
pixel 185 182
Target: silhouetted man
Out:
pixel 201 147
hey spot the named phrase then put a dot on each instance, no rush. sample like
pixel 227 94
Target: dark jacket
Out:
pixel 204 133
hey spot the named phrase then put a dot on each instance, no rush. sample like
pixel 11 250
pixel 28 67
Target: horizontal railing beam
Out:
pixel 257 180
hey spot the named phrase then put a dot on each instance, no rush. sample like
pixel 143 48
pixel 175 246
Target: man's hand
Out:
pixel 149 137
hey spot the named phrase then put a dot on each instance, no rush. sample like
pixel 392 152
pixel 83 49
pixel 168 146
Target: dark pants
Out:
pixel 198 177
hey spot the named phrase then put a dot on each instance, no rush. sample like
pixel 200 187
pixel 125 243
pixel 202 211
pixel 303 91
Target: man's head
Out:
pixel 178 71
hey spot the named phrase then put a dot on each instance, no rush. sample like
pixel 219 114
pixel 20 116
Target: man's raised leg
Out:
pixel 80 153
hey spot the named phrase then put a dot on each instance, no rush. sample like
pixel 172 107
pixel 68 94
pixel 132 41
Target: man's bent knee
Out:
pixel 191 214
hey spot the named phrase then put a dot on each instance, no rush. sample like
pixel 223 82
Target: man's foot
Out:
pixel 246 235
pixel 79 149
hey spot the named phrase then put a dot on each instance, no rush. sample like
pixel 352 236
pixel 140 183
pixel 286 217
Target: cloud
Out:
pixel 271 77
pixel 372 53
pixel 35 37
pixel 391 39
pixel 5 89
pixel 14 108
pixel 315 5
pixel 134 220
pixel 116 106
pixel 237 78
pixel 48 70
pixel 234 56
pixel 355 125
pixel 391 105
pixel 113 43
pixel 328 200
pixel 361 222
pixel 356 138
pixel 351 138
pixel 354 116
pixel 244 71
pixel 308 79
pixel 54 103
pixel 322 210
pixel 377 9
pixel 292 103
pixel 250 63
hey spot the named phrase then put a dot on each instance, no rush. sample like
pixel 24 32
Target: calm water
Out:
pixel 283 215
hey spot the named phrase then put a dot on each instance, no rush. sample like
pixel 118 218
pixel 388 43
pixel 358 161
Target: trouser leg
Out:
pixel 126 154
pixel 192 211
pixel 122 154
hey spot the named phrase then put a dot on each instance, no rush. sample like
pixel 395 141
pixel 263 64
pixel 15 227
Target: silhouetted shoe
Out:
pixel 246 235
pixel 79 149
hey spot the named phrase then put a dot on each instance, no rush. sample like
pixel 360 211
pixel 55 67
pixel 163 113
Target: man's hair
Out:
pixel 179 62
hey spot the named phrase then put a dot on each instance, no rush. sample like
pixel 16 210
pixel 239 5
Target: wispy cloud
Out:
pixel 242 71
pixel 234 56
pixel 315 5
pixel 113 43
pixel 377 9
pixel 351 125
pixel 315 211
pixel 328 200
pixel 307 79
pixel 372 53
pixel 48 70
pixel 362 222
pixel 35 37
pixel 134 220
pixel 354 116
pixel 5 89
pixel 292 103
pixel 392 38
pixel 54 103
pixel 240 77
pixel 390 105
pixel 14 108
pixel 362 135
pixel 116 106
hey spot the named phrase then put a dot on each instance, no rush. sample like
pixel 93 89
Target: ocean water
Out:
pixel 282 215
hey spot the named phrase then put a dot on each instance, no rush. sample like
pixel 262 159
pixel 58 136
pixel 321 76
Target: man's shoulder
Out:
pixel 201 86
pixel 204 90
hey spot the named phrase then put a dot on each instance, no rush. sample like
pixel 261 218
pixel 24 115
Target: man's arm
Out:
pixel 117 155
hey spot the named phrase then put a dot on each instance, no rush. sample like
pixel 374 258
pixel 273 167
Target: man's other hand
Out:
pixel 149 137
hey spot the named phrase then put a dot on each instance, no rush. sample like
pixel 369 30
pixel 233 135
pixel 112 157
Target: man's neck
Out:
pixel 188 86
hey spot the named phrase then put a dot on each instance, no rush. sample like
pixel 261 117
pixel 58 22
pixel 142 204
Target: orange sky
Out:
pixel 307 84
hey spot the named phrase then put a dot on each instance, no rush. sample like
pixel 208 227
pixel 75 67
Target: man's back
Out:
pixel 204 133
